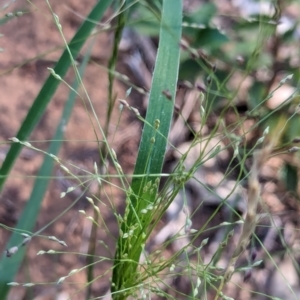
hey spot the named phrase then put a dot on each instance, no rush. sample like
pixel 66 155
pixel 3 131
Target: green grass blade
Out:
pixel 160 106
pixel 121 22
pixel 152 148
pixel 30 213
pixel 38 107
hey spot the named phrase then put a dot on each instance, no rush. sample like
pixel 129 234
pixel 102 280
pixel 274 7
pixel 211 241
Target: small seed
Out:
pixel 167 94
pixel 11 251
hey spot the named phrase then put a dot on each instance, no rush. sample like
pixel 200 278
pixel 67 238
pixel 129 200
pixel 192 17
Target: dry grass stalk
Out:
pixel 259 158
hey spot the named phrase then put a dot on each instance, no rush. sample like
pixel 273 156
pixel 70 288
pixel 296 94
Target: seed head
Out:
pixel 11 251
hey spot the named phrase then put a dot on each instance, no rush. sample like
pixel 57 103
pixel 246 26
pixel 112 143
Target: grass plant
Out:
pixel 149 192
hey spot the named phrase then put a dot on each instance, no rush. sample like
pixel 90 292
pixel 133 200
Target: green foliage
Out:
pixel 210 60
pixel 151 152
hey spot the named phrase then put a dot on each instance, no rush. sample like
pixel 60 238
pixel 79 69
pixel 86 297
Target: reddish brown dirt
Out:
pixel 32 43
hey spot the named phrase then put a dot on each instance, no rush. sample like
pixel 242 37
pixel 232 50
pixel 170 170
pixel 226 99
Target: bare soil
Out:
pixel 32 43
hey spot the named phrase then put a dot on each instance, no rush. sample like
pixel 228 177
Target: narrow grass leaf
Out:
pixel 152 147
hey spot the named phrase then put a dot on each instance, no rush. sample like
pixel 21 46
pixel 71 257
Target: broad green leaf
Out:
pixel 290 177
pixel 210 38
pixel 203 15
